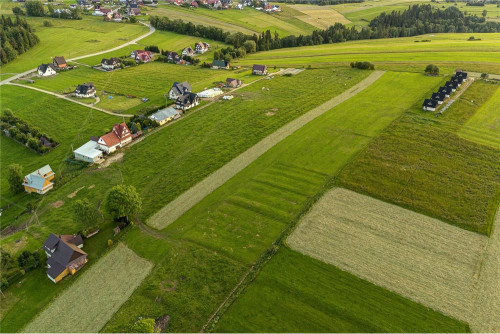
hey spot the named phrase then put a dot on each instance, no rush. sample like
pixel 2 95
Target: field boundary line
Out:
pixel 176 208
pixel 70 100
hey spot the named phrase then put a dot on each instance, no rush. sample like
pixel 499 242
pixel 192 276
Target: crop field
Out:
pixel 241 219
pixel 57 118
pixel 458 181
pixel 451 50
pixel 95 296
pixel 156 80
pixel 294 293
pixel 319 16
pixel 420 258
pixel 93 33
pixel 248 20
pixel 484 125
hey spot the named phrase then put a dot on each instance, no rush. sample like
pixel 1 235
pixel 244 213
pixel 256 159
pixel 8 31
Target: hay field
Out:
pixel 416 256
pixel 88 304
pixel 484 126
pixel 319 16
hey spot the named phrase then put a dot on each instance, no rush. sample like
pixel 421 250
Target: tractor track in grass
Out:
pixel 176 208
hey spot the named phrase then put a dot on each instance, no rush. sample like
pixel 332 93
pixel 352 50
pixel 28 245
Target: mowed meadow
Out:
pixel 239 221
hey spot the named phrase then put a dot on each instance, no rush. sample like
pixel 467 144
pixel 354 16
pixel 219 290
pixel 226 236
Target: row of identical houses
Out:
pixel 445 91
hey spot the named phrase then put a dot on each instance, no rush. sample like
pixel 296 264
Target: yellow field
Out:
pixel 319 16
pixel 418 257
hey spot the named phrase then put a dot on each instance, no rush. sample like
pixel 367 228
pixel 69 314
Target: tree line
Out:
pixel 416 20
pixel 36 8
pixel 16 38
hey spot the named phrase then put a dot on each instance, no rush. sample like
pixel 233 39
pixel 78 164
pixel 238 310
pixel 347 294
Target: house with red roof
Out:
pixel 142 56
pixel 118 137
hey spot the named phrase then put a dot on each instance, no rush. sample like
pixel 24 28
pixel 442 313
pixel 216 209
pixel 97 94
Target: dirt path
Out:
pixel 71 100
pixel 457 95
pixel 485 316
pixel 192 196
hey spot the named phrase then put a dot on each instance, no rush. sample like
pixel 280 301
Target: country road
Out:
pixel 176 208
pixel 20 75
pixel 71 100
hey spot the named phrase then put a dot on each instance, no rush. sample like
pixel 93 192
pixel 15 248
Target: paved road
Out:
pixel 176 208
pixel 20 75
pixel 71 100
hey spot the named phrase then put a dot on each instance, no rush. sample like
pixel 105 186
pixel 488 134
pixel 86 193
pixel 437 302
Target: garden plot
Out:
pixel 419 257
pixel 88 304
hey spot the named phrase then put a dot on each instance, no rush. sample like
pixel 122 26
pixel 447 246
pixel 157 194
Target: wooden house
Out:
pixel 39 181
pixel 64 255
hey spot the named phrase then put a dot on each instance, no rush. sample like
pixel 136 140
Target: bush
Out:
pixel 432 69
pixel 152 48
pixel 110 242
pixel 28 261
pixel 144 326
pixel 15 179
pixel 484 75
pixel 363 65
pixel 18 11
pixel 47 23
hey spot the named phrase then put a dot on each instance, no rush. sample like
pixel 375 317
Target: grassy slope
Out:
pixel 90 35
pixel 56 117
pixel 241 219
pixel 484 126
pixel 248 20
pixel 420 163
pixel 295 293
pixel 451 49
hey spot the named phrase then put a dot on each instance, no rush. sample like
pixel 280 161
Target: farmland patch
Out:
pixel 319 16
pixel 90 302
pixel 418 257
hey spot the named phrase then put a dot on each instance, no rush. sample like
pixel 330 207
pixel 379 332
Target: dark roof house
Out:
pixel 430 104
pixel 438 97
pixel 259 69
pixel 86 89
pixel 220 64
pixel 59 62
pixel 187 101
pixel 64 255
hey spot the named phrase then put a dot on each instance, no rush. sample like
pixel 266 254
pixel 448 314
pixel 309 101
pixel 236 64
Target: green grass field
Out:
pixel 95 296
pixel 156 80
pixel 69 124
pixel 484 126
pixel 420 163
pixel 451 50
pixel 295 293
pixel 248 20
pixel 93 33
pixel 240 220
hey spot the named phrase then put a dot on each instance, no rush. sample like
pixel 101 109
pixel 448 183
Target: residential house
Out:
pixel 239 6
pixel 176 2
pixel 117 17
pixel 187 101
pixel 194 4
pixel 89 152
pixel 452 85
pixel 142 55
pixel 233 83
pixel 178 89
pixel 439 97
pixel 226 4
pixel 133 11
pixel 59 63
pixel 201 47
pixel 446 90
pixel 173 56
pixel 461 74
pixel 220 64
pixel 39 180
pixel 165 115
pixel 46 70
pixel 188 51
pixel 111 63
pixel 64 255
pixel 259 70
pixel 106 11
pixel 118 137
pixel 430 105
pixel 85 90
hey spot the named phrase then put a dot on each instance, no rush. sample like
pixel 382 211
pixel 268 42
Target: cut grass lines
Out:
pixel 321 17
pixel 416 256
pixel 484 126
pixel 88 304
pixel 187 200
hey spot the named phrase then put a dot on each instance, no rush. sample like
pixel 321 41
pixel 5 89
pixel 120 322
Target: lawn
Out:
pixel 93 33
pixel 95 296
pixel 156 79
pixel 403 251
pixel 422 164
pixel 248 20
pixel 240 220
pixel 484 125
pixel 294 293
pixel 452 50
pixel 69 124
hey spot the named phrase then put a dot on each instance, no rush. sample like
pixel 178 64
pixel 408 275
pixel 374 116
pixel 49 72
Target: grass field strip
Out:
pixel 169 213
pixel 88 304
pixel 486 313
pixel 416 256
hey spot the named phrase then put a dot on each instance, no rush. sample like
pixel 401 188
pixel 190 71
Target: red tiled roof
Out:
pixel 110 139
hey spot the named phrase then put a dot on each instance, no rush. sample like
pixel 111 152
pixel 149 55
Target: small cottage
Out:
pixel 259 70
pixel 220 64
pixel 39 181
pixel 430 105
pixel 165 115
pixel 46 70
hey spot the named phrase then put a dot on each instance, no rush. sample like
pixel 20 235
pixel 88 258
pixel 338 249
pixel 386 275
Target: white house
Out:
pixel 178 89
pixel 213 92
pixel 187 101
pixel 118 137
pixel 88 152
pixel 85 90
pixel 111 63
pixel 46 70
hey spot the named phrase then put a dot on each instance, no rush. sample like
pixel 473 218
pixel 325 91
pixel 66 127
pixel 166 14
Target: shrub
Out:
pixel 432 69
pixel 363 65
pixel 15 179
pixel 110 242
pixel 484 75
pixel 28 261
pixel 152 48
pixel 18 11
pixel 47 23
pixel 144 326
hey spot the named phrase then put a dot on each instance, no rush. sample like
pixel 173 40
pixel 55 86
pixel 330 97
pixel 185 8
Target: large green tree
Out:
pixel 86 213
pixel 35 8
pixel 144 326
pixel 123 201
pixel 15 178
